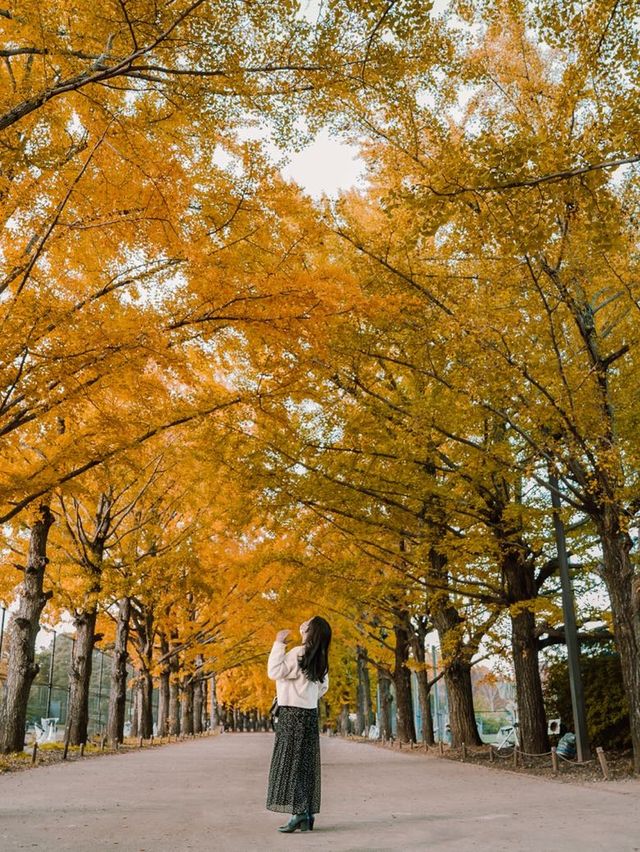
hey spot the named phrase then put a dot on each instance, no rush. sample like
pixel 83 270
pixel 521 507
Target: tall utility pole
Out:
pixel 570 629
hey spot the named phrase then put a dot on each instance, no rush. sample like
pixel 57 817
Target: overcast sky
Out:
pixel 326 166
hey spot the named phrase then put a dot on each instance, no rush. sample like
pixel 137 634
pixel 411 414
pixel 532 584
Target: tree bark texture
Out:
pixel 118 689
pixel 406 728
pixel 143 636
pixel 462 718
pixel 198 704
pixel 418 640
pixel 447 621
pixel 85 624
pixel 80 676
pixel 384 687
pixel 424 697
pixel 163 690
pixel 364 710
pixel 204 689
pixel 623 586
pixel 520 587
pixel 145 706
pixel 135 708
pixel 344 720
pixel 22 632
pixel 186 721
pixel 215 707
pixel 174 689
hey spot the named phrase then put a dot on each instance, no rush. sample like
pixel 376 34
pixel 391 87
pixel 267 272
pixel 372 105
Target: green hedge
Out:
pixel 607 711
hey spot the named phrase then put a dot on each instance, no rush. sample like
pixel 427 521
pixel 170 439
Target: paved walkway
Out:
pixel 208 795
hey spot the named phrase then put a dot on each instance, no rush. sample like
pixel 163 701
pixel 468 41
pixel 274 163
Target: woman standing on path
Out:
pixel 302 678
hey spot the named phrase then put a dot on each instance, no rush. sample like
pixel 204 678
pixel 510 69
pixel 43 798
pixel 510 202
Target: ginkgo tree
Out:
pixel 502 214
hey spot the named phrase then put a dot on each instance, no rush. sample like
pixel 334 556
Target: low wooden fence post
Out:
pixel 34 753
pixel 554 760
pixel 603 762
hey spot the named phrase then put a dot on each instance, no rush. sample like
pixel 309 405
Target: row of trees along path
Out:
pixel 224 406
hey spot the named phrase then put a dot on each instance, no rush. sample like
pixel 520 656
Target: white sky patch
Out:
pixel 327 166
pixel 224 159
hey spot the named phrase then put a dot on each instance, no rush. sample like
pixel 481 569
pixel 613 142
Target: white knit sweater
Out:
pixel 293 687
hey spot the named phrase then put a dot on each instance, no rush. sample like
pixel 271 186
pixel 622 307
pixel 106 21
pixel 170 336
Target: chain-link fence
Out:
pixel 49 696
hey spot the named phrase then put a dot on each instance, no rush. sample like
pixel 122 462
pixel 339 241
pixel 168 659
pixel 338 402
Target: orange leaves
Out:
pixel 341 392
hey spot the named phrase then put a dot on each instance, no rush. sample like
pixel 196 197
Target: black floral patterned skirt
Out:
pixel 294 777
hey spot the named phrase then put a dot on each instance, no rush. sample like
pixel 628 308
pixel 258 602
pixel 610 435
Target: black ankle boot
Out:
pixel 310 819
pixel 300 821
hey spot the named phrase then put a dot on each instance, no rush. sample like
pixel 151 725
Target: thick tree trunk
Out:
pixel 623 586
pixel 143 620
pixel 424 697
pixel 197 707
pixel 204 688
pixel 80 676
pixel 163 691
pixel 384 687
pixel 462 718
pixel 85 624
pixel 174 690
pixel 344 720
pixel 402 682
pixel 186 721
pixel 215 707
pixel 521 588
pixel 364 712
pixel 532 717
pixel 163 703
pixel 145 705
pixel 23 629
pixel 198 704
pixel 418 640
pixel 229 719
pixel 135 709
pixel 457 677
pixel 118 690
pixel 174 703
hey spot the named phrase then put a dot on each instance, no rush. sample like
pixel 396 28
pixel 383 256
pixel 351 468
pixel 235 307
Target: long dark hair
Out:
pixel 314 661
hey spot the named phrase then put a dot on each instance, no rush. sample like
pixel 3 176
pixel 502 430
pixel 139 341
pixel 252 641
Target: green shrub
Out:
pixel 491 724
pixel 607 711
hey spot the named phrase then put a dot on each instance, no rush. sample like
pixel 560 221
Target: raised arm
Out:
pixel 278 667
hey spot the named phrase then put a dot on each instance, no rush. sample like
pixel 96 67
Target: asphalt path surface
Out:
pixel 208 794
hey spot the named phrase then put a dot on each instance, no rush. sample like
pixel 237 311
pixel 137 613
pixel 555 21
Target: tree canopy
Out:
pixel 243 407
